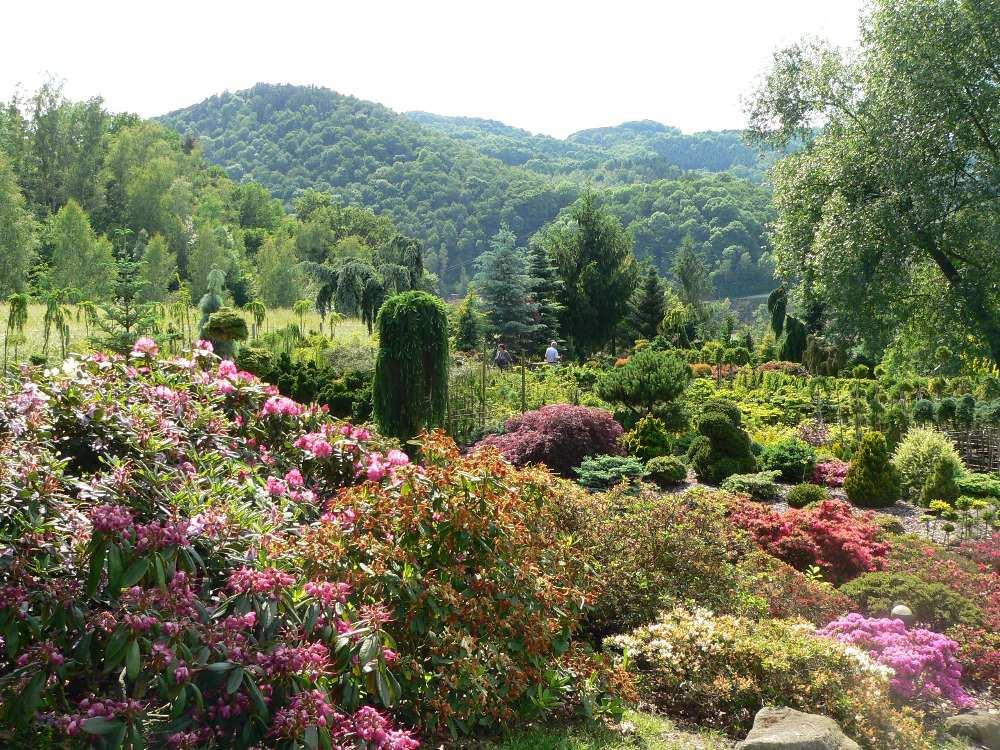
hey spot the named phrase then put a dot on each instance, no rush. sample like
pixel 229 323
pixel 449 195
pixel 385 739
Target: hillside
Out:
pixel 453 181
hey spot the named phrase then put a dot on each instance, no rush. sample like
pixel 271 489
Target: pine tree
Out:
pixel 694 286
pixel 546 289
pixel 647 306
pixel 81 260
pixel 504 286
pixel 158 269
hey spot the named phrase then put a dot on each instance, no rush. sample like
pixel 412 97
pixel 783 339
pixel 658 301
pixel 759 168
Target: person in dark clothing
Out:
pixel 503 358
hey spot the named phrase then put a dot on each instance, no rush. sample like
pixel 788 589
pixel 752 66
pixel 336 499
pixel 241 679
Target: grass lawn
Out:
pixel 347 331
pixel 640 731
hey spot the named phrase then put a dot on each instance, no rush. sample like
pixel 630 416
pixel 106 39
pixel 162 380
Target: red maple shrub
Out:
pixel 559 436
pixel 830 536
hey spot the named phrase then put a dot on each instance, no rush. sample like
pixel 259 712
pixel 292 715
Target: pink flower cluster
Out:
pixel 93 707
pixel 314 443
pixel 267 581
pixel 312 659
pixel 110 518
pixel 328 593
pixel 280 406
pixel 830 473
pixel 145 347
pixel 378 466
pixel 368 729
pixel 923 662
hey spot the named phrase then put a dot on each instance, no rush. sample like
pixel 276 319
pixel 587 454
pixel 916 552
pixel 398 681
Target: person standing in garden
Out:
pixel 503 358
pixel 552 354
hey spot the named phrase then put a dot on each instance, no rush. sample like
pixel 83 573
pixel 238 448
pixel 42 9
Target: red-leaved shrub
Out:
pixel 559 436
pixel 831 536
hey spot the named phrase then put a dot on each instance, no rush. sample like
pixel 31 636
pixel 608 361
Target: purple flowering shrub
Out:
pixel 559 436
pixel 150 594
pixel 923 662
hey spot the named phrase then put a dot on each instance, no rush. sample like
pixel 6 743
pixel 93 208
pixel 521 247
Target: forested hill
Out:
pixel 453 181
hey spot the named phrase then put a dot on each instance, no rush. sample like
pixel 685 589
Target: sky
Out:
pixel 549 66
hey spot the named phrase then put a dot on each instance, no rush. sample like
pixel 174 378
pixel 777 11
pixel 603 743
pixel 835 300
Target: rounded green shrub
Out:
pixel 923 410
pixel 649 439
pixel 803 494
pixel 917 456
pixel 601 472
pixel 872 480
pixel 933 604
pixel 794 458
pixel 411 370
pixel 760 486
pixel 666 470
pixel 947 408
pixel 224 328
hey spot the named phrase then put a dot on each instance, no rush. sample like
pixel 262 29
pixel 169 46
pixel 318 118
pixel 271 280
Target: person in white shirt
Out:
pixel 551 354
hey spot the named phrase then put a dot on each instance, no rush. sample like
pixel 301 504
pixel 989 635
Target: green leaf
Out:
pixel 219 666
pixel 234 681
pixel 132 660
pixel 31 697
pixel 100 725
pixel 135 572
pixel 96 568
pixel 311 738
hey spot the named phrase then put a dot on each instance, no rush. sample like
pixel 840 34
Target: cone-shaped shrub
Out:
pixel 872 481
pixel 722 447
pixel 411 372
pixel 941 485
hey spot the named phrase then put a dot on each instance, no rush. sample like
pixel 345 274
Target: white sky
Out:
pixel 550 66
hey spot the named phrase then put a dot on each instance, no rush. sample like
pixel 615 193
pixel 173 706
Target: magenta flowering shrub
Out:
pixel 559 436
pixel 830 472
pixel 923 663
pixel 150 591
pixel 814 432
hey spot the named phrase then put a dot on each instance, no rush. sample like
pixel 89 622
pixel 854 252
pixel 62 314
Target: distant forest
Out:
pixel 452 182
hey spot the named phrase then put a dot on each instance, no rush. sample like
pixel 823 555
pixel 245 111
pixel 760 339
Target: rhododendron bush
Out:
pixel 831 536
pixel 923 662
pixel 188 559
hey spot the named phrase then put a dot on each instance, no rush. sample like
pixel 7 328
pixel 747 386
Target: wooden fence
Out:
pixel 978 446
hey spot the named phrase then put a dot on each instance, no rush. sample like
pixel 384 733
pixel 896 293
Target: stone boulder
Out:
pixel 788 729
pixel 979 726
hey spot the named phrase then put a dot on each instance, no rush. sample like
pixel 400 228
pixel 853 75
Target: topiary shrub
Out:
pixel 917 456
pixel 965 414
pixel 976 484
pixel 720 670
pixel 805 494
pixel 411 370
pixel 559 436
pixel 933 604
pixel 761 486
pixel 940 485
pixel 793 457
pixel 722 447
pixel 648 439
pixel 946 410
pixel 872 481
pixel 601 472
pixel 665 471
pixel 224 328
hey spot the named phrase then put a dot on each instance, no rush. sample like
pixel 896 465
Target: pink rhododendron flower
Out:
pixel 145 347
pixel 277 406
pixel 397 458
pixel 227 369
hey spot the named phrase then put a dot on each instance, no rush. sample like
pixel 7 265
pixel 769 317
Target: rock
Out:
pixel 788 729
pixel 979 726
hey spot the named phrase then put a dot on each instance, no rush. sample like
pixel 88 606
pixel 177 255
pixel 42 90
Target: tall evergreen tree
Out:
pixel 648 306
pixel 80 259
pixel 158 269
pixel 126 316
pixel 546 289
pixel 592 254
pixel 18 234
pixel 504 286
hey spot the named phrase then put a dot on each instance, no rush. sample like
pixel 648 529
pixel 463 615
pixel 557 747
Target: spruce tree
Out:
pixel 872 481
pixel 504 286
pixel 694 286
pixel 126 316
pixel 546 288
pixel 647 306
